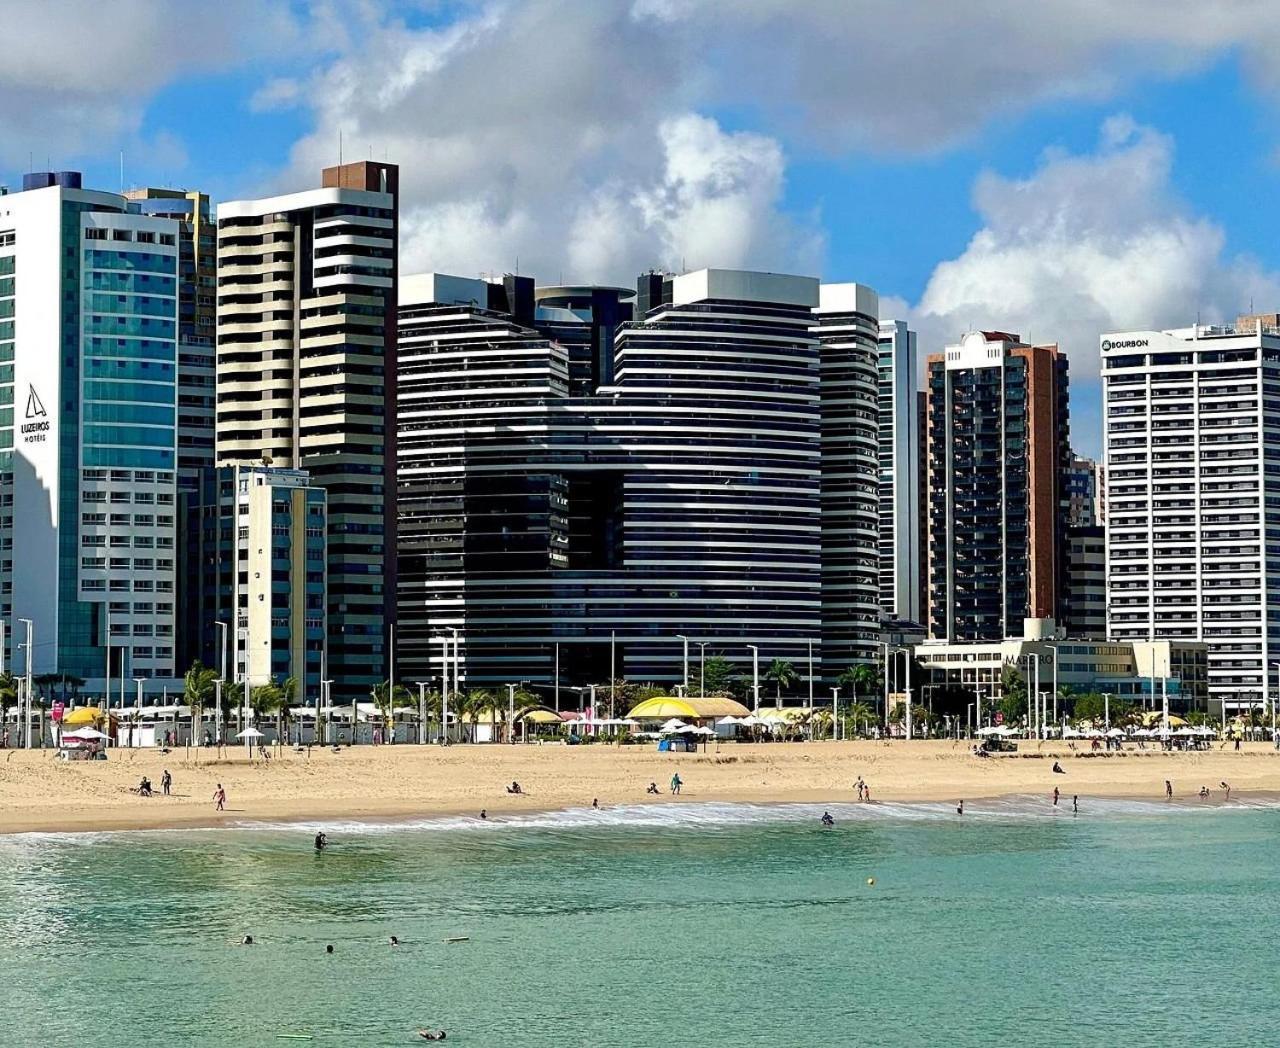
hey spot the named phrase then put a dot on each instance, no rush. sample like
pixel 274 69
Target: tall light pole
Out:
pixel 755 677
pixel 702 669
pixel 682 637
pixel 222 647
pixel 511 712
pixel 557 681
pixel 326 697
pixel 835 713
pixel 422 712
pixel 139 682
pixel 613 671
pixel 811 675
pixel 26 720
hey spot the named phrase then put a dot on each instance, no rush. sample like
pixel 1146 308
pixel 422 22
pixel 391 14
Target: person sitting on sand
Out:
pixel 1204 792
pixel 144 787
pixel 1058 769
pixel 514 787
pixel 653 788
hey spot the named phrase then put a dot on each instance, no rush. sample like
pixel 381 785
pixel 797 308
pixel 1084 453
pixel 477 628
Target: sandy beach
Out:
pixel 387 782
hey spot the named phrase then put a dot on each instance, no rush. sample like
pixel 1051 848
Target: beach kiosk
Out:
pixel 697 715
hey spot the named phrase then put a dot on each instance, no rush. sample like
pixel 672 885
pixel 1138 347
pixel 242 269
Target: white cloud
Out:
pixel 1089 244
pixel 576 152
pixel 76 76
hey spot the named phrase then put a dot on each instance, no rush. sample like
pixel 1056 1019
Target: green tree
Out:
pixel 267 699
pixel 388 699
pixel 717 675
pixel 8 688
pixel 858 715
pixel 782 675
pixel 232 698
pixel 197 691
pixel 1089 706
pixel 472 705
pixel 288 699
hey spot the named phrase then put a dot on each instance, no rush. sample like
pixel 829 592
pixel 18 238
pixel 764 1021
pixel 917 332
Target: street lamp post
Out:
pixel 702 669
pixel 422 712
pixel 755 677
pixel 511 713
pixel 25 705
pixel 835 714
pixel 811 675
pixel 681 637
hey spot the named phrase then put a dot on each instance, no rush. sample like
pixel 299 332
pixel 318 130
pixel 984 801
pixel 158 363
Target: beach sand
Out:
pixel 38 792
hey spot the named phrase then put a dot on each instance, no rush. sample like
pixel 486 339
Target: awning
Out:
pixel 703 708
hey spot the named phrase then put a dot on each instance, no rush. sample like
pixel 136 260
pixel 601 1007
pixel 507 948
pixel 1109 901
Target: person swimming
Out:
pixel 432 1035
pixel 827 820
pixel 394 941
pixel 329 948
pixel 322 841
pixel 247 941
pixel 960 808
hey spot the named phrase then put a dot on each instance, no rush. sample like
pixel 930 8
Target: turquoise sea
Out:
pixel 1134 924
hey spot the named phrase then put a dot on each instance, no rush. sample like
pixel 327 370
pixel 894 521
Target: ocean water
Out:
pixel 711 925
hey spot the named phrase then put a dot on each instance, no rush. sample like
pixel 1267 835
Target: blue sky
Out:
pixel 1062 169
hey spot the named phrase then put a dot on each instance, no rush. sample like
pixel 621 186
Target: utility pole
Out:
pixel 26 704
pixel 422 712
pixel 682 637
pixel 755 677
pixel 702 669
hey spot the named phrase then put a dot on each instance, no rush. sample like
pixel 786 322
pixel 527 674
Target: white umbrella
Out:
pixel 729 720
pixel 673 725
pixel 249 733
pixel 1115 733
pixel 85 734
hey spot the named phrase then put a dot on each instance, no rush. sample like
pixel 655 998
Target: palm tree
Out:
pixel 859 712
pixel 232 697
pixel 267 698
pixel 783 675
pixel 473 704
pixel 198 690
pixel 387 698
pixel 288 696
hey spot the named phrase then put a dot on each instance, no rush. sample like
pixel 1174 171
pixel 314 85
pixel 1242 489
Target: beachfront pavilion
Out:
pixel 699 711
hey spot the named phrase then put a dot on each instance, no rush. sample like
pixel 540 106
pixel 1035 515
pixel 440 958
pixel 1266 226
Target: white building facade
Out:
pixel 88 356
pixel 899 440
pixel 1193 496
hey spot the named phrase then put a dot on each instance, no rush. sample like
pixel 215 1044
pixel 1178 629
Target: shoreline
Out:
pixel 384 784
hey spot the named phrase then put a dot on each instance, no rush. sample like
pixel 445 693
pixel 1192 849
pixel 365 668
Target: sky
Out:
pixel 1060 169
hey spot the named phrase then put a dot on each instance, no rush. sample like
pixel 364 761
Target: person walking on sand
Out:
pixel 1168 790
pixel 676 783
pixel 219 799
pixel 1055 796
pixel 166 780
pixel 860 787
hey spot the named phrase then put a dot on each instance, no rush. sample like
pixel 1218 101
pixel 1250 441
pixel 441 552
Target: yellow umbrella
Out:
pixel 84 715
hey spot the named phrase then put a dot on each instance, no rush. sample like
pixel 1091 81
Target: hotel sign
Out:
pixel 35 426
pixel 1133 343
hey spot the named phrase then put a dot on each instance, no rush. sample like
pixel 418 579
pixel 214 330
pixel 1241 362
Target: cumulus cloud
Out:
pixel 564 154
pixel 76 76
pixel 1088 244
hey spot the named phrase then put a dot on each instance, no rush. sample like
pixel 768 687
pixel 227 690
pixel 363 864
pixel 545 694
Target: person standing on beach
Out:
pixel 1168 790
pixel 1228 789
pixel 960 807
pixel 860 787
pixel 166 780
pixel 1075 804
pixel 219 799
pixel 676 783
pixel 1055 796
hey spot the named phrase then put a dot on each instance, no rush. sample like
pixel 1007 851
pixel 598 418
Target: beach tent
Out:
pixel 90 715
pixel 704 708
pixel 84 735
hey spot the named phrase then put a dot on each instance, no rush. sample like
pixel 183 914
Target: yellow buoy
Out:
pixel 871 880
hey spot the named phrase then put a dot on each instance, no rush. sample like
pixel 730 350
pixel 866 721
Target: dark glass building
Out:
pixel 584 489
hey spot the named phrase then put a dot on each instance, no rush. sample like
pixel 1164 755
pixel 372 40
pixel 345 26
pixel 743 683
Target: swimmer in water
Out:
pixel 960 808
pixel 247 941
pixel 322 841
pixel 329 948
pixel 432 1035
pixel 483 814
pixel 827 820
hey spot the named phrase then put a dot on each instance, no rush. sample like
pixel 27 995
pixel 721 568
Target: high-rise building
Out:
pixel 88 428
pixel 847 328
pixel 998 450
pixel 900 457
pixel 1083 487
pixel 677 492
pixel 307 287
pixel 1193 495
pixel 1084 607
pixel 197 314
